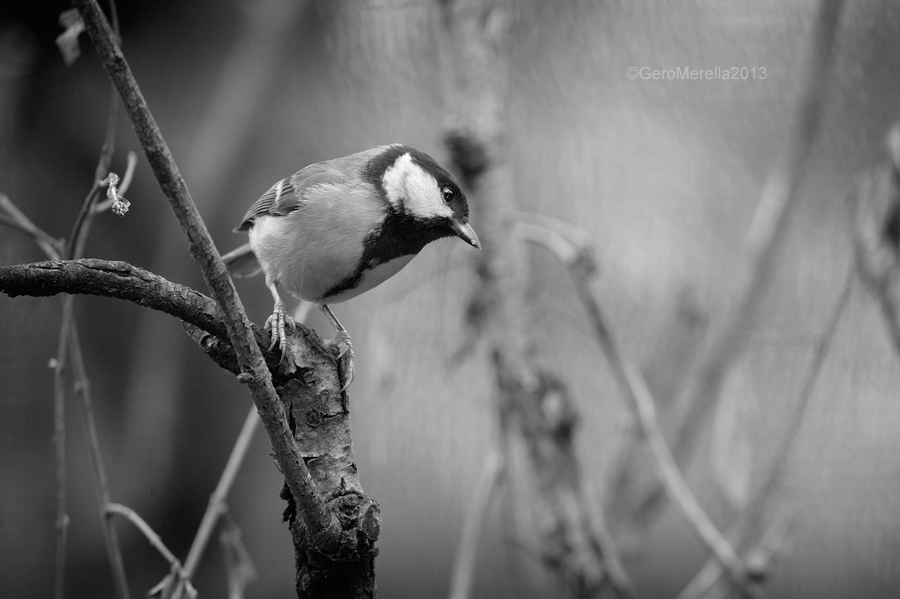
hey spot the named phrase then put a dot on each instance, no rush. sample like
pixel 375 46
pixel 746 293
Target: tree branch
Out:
pixel 577 258
pixel 321 523
pixel 766 236
pixel 115 279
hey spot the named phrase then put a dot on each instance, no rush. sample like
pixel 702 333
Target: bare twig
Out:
pixel 217 502
pixel 249 74
pixel 766 236
pixel 68 336
pixel 241 570
pixel 110 536
pixel 146 530
pixel 746 531
pixel 14 217
pixel 217 506
pixel 634 387
pixel 612 558
pixel 874 204
pixel 708 582
pixel 319 520
pixel 178 577
pixel 59 440
pixel 467 551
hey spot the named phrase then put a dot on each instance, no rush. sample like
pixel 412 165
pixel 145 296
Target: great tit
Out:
pixel 338 228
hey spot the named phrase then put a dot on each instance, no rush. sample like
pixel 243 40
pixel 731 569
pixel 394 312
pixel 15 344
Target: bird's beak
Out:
pixel 465 232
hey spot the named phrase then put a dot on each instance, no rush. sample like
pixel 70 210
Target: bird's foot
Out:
pixel 344 348
pixel 278 323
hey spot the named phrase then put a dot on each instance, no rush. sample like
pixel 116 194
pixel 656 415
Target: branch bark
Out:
pixel 90 276
pixel 319 530
pixel 339 565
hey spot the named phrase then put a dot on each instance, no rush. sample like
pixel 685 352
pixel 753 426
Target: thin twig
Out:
pixel 240 569
pixel 110 536
pixel 492 473
pixel 83 220
pixel 217 506
pixel 68 336
pixel 766 236
pixel 634 387
pixel 751 520
pixel 615 569
pixel 217 502
pixel 59 439
pixel 51 246
pixel 319 520
pixel 149 534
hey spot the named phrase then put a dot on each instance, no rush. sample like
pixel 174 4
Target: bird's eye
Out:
pixel 448 193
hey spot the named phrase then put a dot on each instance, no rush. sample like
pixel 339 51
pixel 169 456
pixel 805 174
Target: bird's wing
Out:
pixel 289 194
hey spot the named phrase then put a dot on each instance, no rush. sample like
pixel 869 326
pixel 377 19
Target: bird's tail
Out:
pixel 241 262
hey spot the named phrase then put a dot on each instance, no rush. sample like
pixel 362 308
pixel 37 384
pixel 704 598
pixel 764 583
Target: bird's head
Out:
pixel 417 187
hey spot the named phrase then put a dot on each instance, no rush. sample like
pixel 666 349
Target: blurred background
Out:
pixel 664 175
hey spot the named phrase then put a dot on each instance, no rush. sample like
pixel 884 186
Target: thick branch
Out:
pixel 314 513
pixel 121 280
pixel 113 279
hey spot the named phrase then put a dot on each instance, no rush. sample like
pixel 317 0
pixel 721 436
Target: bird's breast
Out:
pixel 317 252
pixel 368 278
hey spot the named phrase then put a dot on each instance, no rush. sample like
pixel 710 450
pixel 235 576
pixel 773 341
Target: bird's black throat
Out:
pixel 401 234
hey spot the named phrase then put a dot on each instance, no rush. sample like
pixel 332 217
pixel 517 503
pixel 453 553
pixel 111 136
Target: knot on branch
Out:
pixel 542 406
pixel 360 520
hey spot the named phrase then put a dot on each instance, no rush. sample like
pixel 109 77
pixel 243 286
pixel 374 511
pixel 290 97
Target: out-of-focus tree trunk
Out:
pixel 534 406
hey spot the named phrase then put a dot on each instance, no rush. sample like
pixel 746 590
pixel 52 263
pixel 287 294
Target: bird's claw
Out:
pixel 278 323
pixel 344 356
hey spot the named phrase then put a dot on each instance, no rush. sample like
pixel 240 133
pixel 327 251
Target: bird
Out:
pixel 336 229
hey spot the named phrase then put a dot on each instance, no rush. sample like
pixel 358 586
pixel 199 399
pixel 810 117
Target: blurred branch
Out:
pixel 874 204
pixel 765 241
pixel 532 403
pixel 746 532
pixel 110 536
pixel 321 523
pixel 68 43
pixel 577 258
pixel 632 476
pixel 492 474
pixel 241 571
pixel 52 247
pixel 217 506
pixel 59 441
pixel 15 218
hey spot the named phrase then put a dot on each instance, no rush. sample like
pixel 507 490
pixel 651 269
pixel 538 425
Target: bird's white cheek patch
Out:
pixel 407 184
pixel 423 195
pixel 395 180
